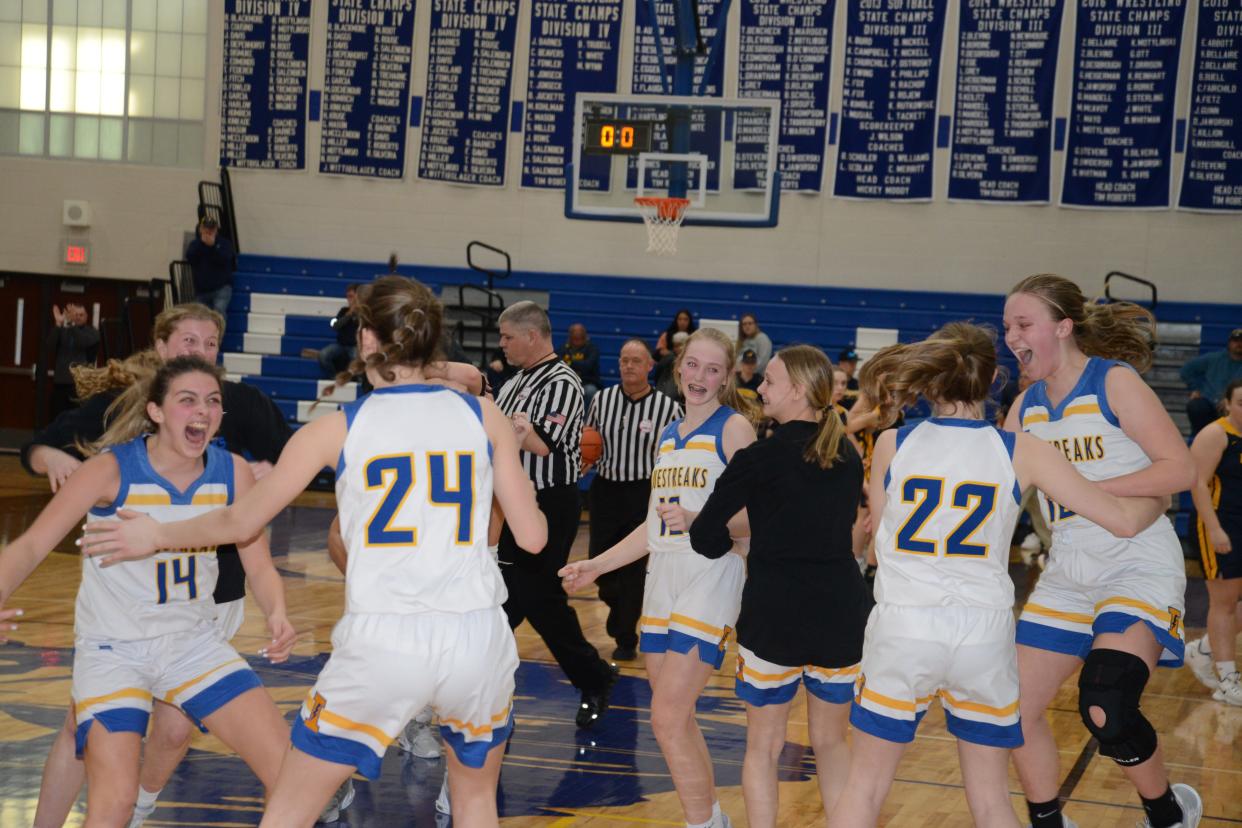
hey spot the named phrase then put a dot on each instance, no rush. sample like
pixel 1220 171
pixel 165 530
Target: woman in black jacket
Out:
pixel 804 606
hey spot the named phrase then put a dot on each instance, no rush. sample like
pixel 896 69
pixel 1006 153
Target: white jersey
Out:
pixel 686 471
pixel 170 591
pixel 1087 431
pixel 952 499
pixel 414 490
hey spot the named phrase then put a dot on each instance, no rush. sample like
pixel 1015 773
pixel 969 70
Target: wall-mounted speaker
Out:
pixel 77 214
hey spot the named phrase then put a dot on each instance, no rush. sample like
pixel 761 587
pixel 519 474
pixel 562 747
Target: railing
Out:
pixel 487 316
pixel 492 275
pixel 181 280
pixel 1136 279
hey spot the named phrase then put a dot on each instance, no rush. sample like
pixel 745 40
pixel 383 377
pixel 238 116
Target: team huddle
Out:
pixel 743 534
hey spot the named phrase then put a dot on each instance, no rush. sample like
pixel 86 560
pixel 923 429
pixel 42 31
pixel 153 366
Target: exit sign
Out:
pixel 75 253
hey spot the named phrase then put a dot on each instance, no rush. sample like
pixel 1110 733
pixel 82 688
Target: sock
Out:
pixel 716 809
pixel 1225 669
pixel 1045 814
pixel 147 798
pixel 709 824
pixel 1205 647
pixel 1163 811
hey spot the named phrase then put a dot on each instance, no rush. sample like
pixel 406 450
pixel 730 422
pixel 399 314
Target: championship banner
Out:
pixel 1212 174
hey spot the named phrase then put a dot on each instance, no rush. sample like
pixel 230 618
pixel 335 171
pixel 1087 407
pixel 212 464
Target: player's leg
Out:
pixel 766 727
pixel 985 772
pixel 1040 675
pixel 165 747
pixel 63 777
pixel 873 764
pixel 111 774
pixel 1222 623
pixel 827 724
pixel 676 684
pixel 302 789
pixel 473 790
pixel 252 727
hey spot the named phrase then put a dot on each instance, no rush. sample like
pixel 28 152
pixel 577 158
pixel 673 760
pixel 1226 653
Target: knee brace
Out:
pixel 1113 681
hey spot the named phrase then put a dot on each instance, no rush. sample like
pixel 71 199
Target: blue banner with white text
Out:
pixel 1212 174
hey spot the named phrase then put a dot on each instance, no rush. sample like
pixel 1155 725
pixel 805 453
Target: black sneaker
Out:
pixel 623 653
pixel 595 704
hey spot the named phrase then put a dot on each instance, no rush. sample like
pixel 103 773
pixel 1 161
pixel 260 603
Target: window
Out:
pixel 112 80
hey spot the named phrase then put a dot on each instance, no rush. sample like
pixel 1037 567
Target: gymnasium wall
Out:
pixel 141 214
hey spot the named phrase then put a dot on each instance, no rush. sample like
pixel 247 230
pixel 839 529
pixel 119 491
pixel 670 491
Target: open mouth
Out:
pixel 1023 355
pixel 697 390
pixel 196 434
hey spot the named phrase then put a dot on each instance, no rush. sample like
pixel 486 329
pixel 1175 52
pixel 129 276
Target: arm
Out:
pixel 1206 450
pixel 253 425
pixel 1144 420
pixel 738 433
pixel 581 574
pixel 84 336
pixel 1194 373
pixel 1013 419
pixel 881 459
pixel 46 454
pixel 710 534
pixel 1040 464
pixel 315 445
pixel 336 544
pixel 862 415
pixel 561 398
pixel 460 373
pixel 97 480
pixel 513 488
pixel 261 573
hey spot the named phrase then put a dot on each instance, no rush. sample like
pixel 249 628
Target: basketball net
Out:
pixel 663 219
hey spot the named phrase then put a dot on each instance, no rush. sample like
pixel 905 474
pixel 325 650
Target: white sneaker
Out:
pixel 442 801
pixel 141 812
pixel 1192 807
pixel 342 799
pixel 1029 548
pixel 1201 664
pixel 1066 822
pixel 419 739
pixel 1229 690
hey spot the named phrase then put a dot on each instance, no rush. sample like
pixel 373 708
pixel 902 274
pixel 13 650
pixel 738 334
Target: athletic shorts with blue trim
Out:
pixel 114 682
pixel 760 682
pixel 385 668
pixel 965 656
pixel 690 604
pixel 1096 583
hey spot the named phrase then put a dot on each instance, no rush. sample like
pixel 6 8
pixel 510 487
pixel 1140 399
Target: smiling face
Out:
pixel 781 398
pixel 190 413
pixel 191 337
pixel 1039 342
pixel 704 371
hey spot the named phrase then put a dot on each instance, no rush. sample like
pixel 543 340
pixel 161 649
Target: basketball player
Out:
pixel 423 622
pixel 690 603
pixel 145 629
pixel 1112 607
pixel 947 492
pixel 804 604
pixel 1217 493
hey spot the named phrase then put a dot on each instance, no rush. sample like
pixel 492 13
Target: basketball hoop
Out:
pixel 663 219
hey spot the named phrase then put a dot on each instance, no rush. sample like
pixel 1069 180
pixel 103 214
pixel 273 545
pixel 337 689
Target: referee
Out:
pixel 544 401
pixel 630 417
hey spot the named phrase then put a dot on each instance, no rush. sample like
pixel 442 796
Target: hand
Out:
pixel 521 426
pixel 1220 541
pixel 675 518
pixel 129 539
pixel 578 575
pixel 58 315
pixel 5 616
pixel 584 466
pixel 260 469
pixel 59 465
pixel 497 366
pixel 283 638
pixel 741 547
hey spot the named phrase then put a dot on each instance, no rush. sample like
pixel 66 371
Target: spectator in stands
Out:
pixel 755 340
pixel 748 376
pixel 336 356
pixel 213 260
pixel 1207 377
pixel 580 354
pixel 665 379
pixel 683 322
pixel 847 361
pixel 73 341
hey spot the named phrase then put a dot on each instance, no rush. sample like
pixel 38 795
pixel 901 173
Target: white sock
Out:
pixel 147 798
pixel 1225 669
pixel 709 824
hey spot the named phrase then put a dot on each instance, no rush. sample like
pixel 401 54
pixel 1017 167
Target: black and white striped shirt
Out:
pixel 631 430
pixel 550 393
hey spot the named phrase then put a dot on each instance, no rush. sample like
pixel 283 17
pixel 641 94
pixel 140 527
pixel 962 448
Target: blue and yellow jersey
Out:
pixel 1086 430
pixel 170 591
pixel 414 490
pixel 952 501
pixel 686 471
pixel 1226 484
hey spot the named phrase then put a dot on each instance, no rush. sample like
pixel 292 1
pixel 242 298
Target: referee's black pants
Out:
pixel 535 592
pixel 616 509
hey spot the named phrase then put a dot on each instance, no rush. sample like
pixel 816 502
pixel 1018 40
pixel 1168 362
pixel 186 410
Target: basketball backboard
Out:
pixel 720 153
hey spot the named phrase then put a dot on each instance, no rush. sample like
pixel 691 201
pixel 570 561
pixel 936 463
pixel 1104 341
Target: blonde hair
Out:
pixel 405 317
pixel 809 367
pixel 728 394
pixel 955 364
pixel 127 415
pixel 167 322
pixel 1119 330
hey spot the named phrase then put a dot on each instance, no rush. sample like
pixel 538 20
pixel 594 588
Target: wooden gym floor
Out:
pixel 555 775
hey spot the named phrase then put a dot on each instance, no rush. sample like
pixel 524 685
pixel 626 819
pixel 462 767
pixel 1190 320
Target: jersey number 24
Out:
pixel 394 473
pixel 977 500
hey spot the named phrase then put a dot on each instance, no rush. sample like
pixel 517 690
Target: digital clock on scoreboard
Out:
pixel 606 136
